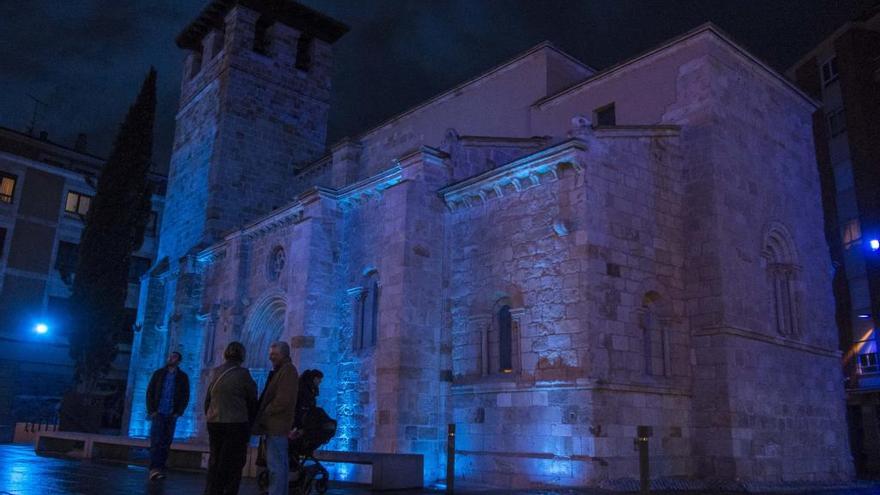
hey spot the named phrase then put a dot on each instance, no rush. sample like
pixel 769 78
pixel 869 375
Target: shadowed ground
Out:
pixel 24 473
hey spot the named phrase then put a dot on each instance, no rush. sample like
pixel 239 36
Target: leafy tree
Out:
pixel 114 228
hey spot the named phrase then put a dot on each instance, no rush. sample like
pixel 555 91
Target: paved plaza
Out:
pixel 24 473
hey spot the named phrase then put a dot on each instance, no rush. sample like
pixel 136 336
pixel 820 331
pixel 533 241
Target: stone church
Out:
pixel 547 256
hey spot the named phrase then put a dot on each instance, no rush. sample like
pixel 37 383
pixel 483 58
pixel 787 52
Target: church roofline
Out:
pixel 288 12
pixel 707 27
pixel 479 77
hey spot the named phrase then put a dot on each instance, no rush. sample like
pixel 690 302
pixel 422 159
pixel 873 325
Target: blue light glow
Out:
pixel 41 328
pixel 875 244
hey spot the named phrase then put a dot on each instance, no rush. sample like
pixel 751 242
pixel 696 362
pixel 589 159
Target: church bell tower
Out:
pixel 254 100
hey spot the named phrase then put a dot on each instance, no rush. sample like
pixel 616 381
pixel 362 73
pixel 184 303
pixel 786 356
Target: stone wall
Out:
pixel 575 259
pixel 778 383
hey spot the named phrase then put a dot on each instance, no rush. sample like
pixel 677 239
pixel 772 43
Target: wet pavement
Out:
pixel 24 473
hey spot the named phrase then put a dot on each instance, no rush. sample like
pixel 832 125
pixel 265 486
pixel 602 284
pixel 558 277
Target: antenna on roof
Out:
pixel 37 104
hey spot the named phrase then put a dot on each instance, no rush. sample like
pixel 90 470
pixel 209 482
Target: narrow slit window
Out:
pixel 605 116
pixel 262 40
pixel 304 53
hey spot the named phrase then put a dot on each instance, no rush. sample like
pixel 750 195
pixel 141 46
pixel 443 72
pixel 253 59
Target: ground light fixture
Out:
pixel 41 328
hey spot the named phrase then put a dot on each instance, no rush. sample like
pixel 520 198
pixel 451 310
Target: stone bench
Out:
pixel 115 448
pixel 389 471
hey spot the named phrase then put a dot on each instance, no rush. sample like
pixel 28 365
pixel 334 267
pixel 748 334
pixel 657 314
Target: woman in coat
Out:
pixel 230 408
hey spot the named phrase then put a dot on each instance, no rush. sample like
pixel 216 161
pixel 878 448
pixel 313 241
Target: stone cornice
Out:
pixel 287 216
pixel 745 333
pixel 426 154
pixel 502 141
pixel 516 175
pixel 213 254
pixel 360 192
pixel 637 131
pixel 314 167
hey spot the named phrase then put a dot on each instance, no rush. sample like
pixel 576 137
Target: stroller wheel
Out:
pixel 321 485
pixel 263 481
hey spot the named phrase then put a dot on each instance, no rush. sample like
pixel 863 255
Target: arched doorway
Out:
pixel 264 326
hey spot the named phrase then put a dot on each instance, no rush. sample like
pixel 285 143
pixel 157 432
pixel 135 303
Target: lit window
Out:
pixel 829 71
pixel 868 363
pixel 605 116
pixel 852 232
pixel 77 203
pixel 7 187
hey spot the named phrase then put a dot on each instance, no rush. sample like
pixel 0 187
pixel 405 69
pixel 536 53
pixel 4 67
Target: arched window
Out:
pixel 505 340
pixel 499 341
pixel 781 268
pixel 367 312
pixel 655 336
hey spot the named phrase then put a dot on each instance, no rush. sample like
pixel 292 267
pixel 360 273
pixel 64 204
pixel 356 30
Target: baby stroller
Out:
pixel 307 473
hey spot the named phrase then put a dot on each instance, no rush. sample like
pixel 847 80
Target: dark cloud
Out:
pixel 86 58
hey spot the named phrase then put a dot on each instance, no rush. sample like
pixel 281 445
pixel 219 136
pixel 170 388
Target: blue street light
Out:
pixel 875 244
pixel 41 328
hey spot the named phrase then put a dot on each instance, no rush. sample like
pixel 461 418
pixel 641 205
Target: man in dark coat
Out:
pixel 275 415
pixel 167 398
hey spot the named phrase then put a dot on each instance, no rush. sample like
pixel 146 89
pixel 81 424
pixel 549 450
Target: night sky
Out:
pixel 86 58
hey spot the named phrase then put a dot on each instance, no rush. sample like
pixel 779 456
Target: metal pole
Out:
pixel 644 486
pixel 450 459
pixel 643 433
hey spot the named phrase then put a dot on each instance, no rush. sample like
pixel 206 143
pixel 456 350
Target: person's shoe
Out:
pixel 155 474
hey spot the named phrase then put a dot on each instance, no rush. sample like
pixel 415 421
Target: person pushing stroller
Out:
pixel 307 399
pixel 311 429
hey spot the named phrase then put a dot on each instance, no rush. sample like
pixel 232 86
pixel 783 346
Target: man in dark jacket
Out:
pixel 275 415
pixel 167 397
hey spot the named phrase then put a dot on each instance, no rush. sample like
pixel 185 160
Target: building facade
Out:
pixel 546 256
pixel 45 194
pixel 843 72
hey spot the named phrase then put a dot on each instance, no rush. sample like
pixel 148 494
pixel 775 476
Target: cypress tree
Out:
pixel 114 229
